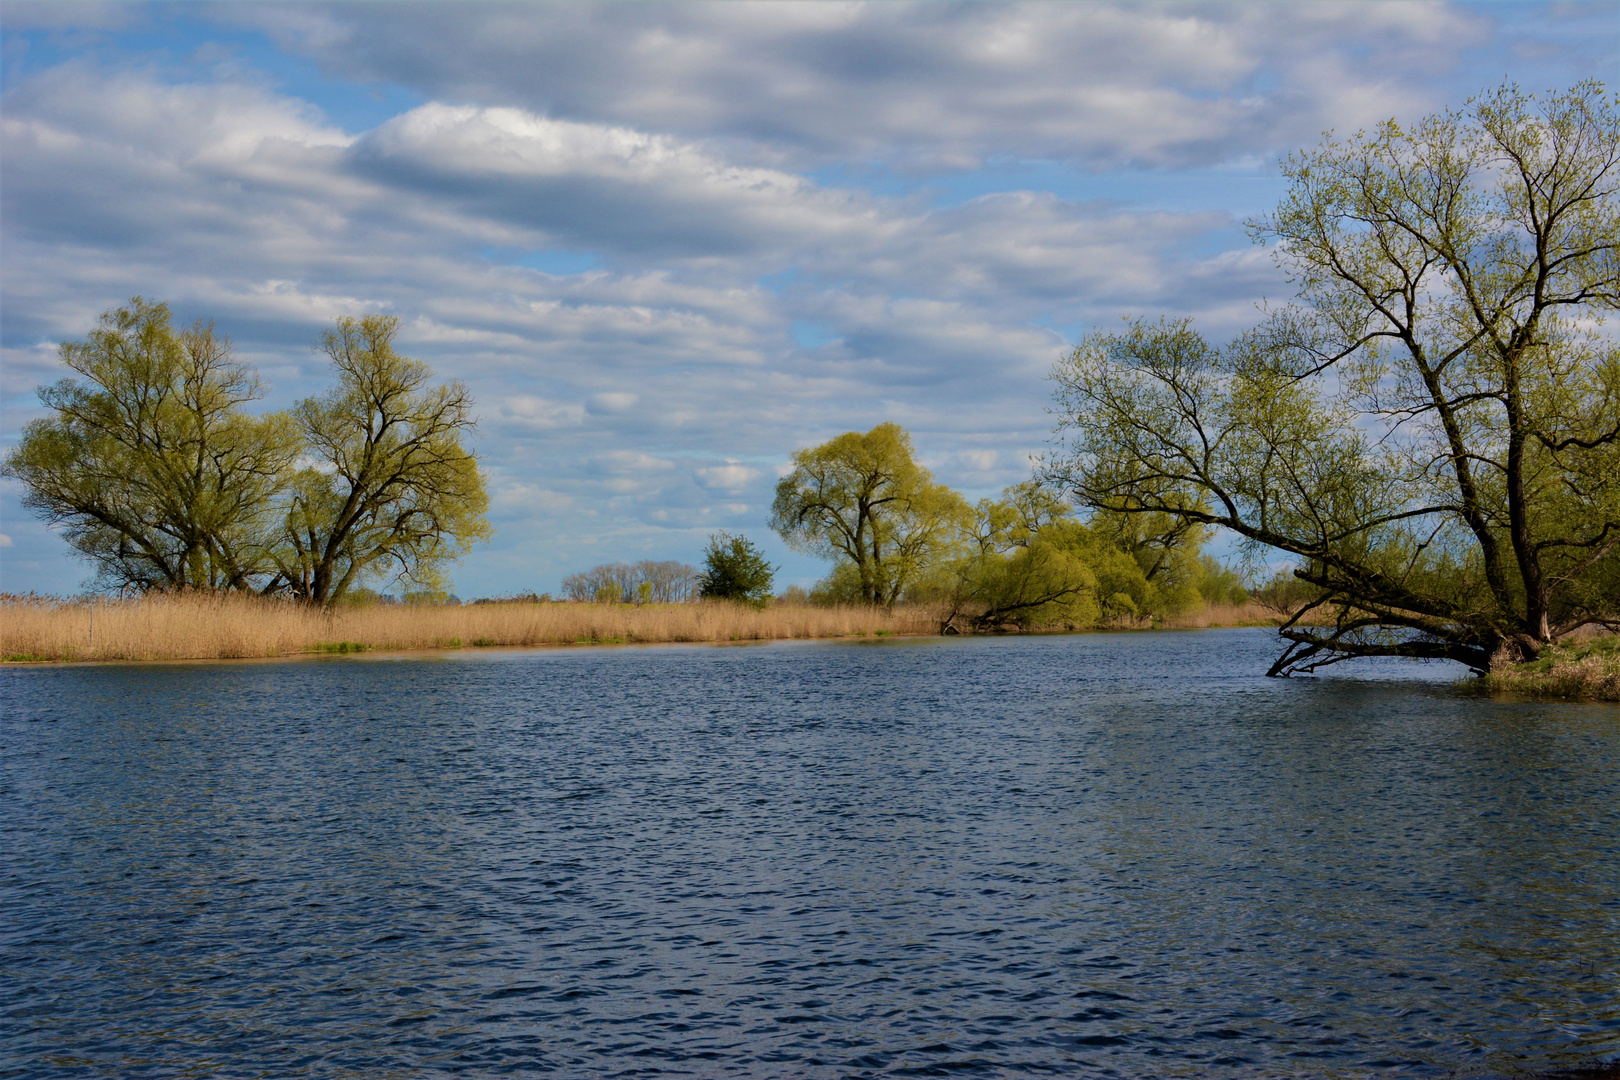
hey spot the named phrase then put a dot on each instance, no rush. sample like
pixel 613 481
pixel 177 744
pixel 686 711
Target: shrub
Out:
pixel 736 570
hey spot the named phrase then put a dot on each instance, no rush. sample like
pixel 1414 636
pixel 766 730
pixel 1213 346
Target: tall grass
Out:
pixel 192 627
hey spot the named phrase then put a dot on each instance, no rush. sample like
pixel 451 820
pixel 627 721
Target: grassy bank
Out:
pixel 1585 670
pixel 210 627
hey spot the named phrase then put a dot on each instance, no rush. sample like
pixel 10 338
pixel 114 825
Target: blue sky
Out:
pixel 666 245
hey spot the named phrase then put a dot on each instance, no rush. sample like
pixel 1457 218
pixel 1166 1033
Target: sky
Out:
pixel 666 245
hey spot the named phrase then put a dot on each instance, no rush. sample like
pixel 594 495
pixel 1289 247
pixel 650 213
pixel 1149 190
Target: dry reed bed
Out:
pixel 234 627
pixel 1248 613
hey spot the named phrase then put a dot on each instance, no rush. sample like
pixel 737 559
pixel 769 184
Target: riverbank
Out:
pixel 1584 670
pixel 232 627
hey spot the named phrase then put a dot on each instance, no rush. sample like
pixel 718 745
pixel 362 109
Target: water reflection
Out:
pixel 1064 855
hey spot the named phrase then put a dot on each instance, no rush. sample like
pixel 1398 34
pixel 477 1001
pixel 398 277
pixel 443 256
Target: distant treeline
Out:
pixel 646 582
pixel 895 536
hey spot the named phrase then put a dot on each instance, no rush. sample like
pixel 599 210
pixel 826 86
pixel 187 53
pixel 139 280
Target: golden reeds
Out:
pixel 1248 613
pixel 193 626
pixel 232 626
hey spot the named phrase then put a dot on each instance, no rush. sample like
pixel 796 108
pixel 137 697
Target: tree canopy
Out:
pixel 1022 560
pixel 161 479
pixel 148 463
pixel 862 497
pixel 394 489
pixel 1433 429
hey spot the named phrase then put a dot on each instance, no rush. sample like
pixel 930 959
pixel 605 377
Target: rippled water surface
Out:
pixel 1100 855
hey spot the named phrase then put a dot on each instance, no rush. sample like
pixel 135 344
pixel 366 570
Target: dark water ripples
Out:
pixel 1104 855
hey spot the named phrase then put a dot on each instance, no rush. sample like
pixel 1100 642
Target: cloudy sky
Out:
pixel 666 245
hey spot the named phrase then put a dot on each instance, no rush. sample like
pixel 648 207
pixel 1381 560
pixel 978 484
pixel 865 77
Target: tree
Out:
pixel 393 490
pixel 1433 430
pixel 734 569
pixel 149 464
pixel 1166 548
pixel 1030 563
pixel 861 497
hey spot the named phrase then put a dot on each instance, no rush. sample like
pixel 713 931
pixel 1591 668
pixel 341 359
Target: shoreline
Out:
pixel 382 652
pixel 233 626
pixel 199 628
pixel 1580 671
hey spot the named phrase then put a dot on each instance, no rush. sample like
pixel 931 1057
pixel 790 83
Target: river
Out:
pixel 1122 855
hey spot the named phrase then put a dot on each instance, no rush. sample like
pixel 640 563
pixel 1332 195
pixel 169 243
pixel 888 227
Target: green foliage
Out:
pixel 734 569
pixel 1218 584
pixel 147 462
pixel 1433 431
pixel 158 477
pixel 1587 669
pixel 339 647
pixel 1028 562
pixel 395 493
pixel 862 499
pixel 841 586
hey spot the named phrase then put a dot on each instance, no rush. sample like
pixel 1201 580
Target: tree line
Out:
pixel 733 569
pixel 1026 559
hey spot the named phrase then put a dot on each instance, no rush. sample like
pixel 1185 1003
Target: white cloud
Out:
pixel 612 403
pixel 530 410
pixel 731 476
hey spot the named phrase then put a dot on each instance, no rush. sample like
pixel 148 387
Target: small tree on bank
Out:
pixel 734 569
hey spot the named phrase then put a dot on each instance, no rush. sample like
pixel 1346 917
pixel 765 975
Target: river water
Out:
pixel 1096 855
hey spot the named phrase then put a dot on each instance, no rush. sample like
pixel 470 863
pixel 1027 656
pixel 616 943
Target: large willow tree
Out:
pixel 1433 429
pixel 148 464
pixel 862 499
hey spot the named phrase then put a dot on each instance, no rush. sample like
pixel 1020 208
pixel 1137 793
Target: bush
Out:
pixel 736 570
pixel 1218 584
